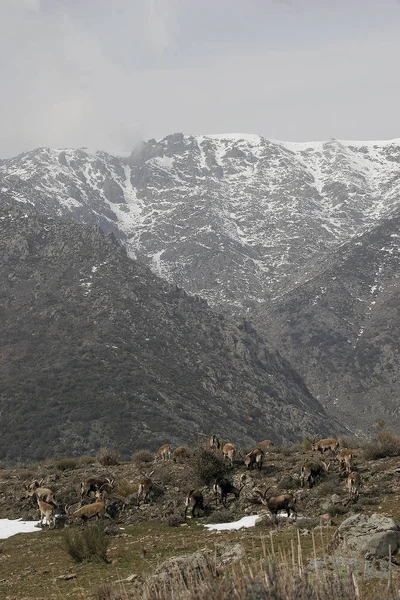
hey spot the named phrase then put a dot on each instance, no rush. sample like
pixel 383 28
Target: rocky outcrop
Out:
pixel 370 536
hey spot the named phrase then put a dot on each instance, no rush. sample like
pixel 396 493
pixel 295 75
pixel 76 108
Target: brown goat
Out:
pixel 180 453
pixel 164 452
pixel 345 460
pixel 229 452
pixel 353 484
pixel 46 512
pixel 275 504
pixel 265 445
pixel 310 471
pixel 254 459
pixel 144 488
pixel 214 443
pixel 92 484
pixel 326 444
pixel 89 511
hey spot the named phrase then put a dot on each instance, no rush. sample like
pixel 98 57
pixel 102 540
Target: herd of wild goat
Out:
pixel 100 487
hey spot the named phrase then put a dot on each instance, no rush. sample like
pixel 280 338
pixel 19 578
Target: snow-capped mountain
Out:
pixel 234 218
pixel 258 228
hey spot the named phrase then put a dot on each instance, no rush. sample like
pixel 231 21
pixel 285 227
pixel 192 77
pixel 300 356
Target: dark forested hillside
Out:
pixel 96 350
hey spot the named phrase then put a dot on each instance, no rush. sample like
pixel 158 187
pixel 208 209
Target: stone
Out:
pixel 369 535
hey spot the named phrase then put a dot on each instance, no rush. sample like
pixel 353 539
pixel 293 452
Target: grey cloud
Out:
pixel 103 74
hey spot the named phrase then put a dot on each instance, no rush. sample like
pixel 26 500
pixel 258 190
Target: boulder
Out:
pixel 369 535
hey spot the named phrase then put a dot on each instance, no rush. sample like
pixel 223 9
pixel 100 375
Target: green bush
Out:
pixel 387 444
pixel 206 466
pixel 142 456
pixel 65 464
pixel 108 457
pixel 91 543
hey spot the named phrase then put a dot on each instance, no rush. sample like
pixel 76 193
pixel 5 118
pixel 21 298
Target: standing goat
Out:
pixel 164 452
pixel 353 484
pixel 265 445
pixel 214 443
pixel 194 500
pixel 310 471
pixel 144 488
pixel 326 444
pixel 223 487
pixel 89 511
pixel 254 459
pixel 229 452
pixel 93 484
pixel 275 504
pixel 46 512
pixel 345 460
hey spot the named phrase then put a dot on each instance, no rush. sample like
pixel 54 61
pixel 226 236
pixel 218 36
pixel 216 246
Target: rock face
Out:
pixel 298 238
pixel 97 351
pixel 369 535
pixel 341 328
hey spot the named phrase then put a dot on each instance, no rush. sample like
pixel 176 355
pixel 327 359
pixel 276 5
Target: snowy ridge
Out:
pixel 233 217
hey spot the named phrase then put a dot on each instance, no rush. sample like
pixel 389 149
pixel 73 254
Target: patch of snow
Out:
pixel 9 527
pixel 248 521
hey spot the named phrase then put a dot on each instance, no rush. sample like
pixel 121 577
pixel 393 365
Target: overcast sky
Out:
pixel 105 73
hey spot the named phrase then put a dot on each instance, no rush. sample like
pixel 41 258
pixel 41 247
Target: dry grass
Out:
pixel 108 457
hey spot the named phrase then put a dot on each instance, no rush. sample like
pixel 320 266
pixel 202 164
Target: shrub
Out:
pixel 306 444
pixel 173 520
pixel 206 466
pixel 91 543
pixel 142 456
pixel 221 516
pixel 387 444
pixel 125 488
pixel 87 460
pixel 65 464
pixel 108 457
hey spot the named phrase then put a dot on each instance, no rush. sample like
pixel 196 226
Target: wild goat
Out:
pixel 275 504
pixel 144 488
pixel 254 459
pixel 92 484
pixel 345 459
pixel 229 452
pixel 322 446
pixel 353 484
pixel 164 452
pixel 46 512
pixel 89 511
pixel 265 445
pixel 223 487
pixel 194 499
pixel 215 444
pixel 180 453
pixel 310 471
pixel 42 493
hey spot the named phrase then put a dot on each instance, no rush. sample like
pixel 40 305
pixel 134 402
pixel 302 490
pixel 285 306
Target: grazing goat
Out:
pixel 275 504
pixel 265 445
pixel 89 511
pixel 345 459
pixel 223 487
pixel 46 512
pixel 254 459
pixel 144 488
pixel 310 471
pixel 322 446
pixel 229 452
pixel 164 452
pixel 194 500
pixel 353 484
pixel 43 493
pixel 215 444
pixel 180 453
pixel 92 484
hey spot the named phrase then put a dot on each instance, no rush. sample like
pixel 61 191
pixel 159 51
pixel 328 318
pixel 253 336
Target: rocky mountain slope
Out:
pixel 250 225
pixel 341 328
pixel 233 218
pixel 96 350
